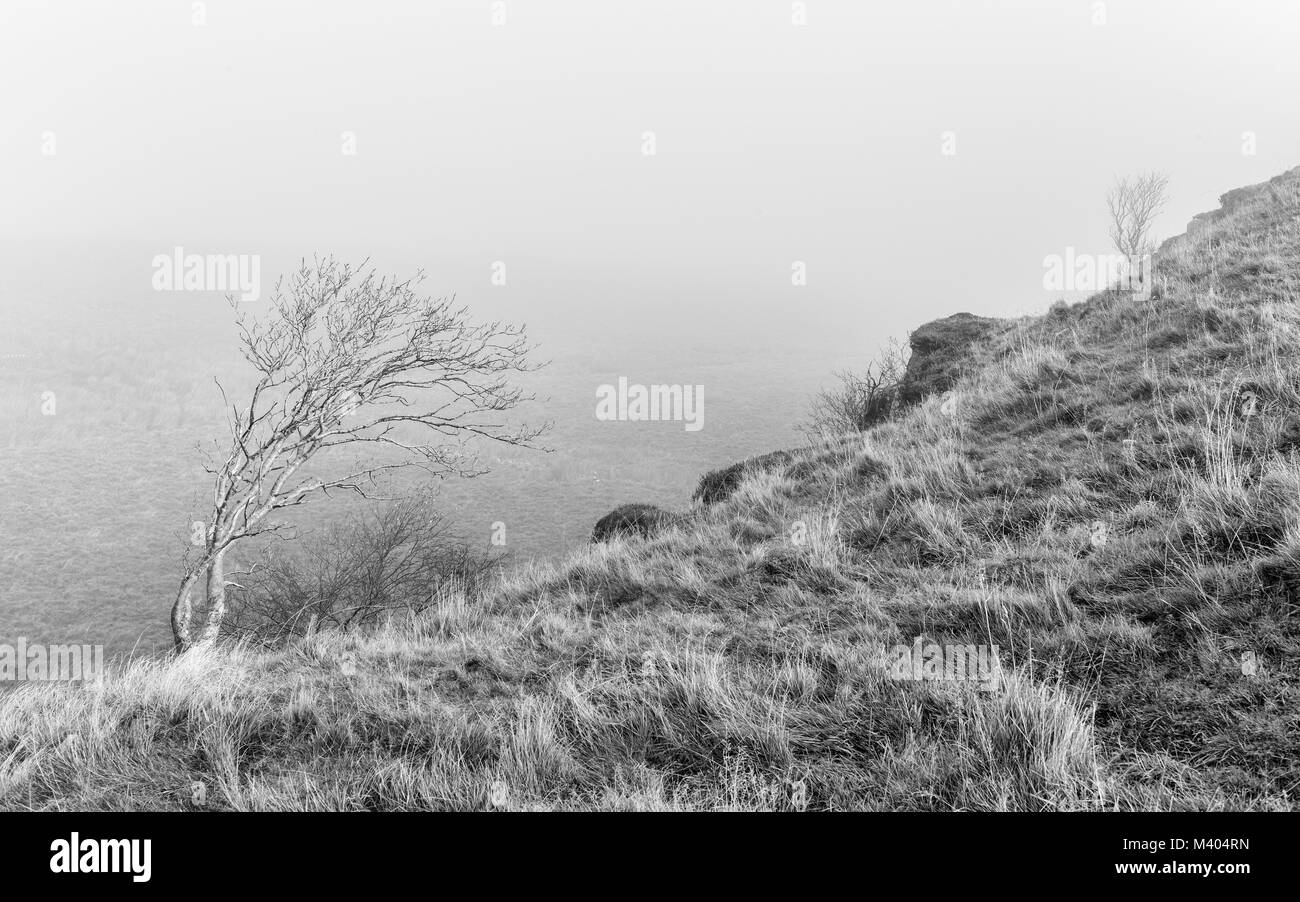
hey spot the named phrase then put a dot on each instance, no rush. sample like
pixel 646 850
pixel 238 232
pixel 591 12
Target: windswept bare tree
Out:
pixel 1134 203
pixel 347 357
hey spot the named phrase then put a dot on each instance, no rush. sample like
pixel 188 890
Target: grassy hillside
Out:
pixel 97 502
pixel 1110 495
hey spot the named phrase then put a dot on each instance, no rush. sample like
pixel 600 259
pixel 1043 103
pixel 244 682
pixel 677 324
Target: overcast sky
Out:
pixel 524 142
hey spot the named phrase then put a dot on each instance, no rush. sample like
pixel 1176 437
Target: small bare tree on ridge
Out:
pixel 1134 203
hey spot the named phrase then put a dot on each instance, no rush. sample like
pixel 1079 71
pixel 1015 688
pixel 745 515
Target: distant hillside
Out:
pixel 1109 494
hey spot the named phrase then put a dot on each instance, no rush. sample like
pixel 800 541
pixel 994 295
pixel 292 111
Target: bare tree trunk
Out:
pixel 216 599
pixel 182 610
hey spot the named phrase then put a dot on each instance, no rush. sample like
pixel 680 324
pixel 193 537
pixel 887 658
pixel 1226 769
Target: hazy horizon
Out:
pixel 521 143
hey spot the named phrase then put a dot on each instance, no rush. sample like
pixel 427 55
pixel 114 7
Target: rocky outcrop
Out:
pixel 1229 203
pixel 939 349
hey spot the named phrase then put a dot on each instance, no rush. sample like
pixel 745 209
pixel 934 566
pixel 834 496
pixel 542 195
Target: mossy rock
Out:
pixel 719 485
pixel 939 350
pixel 630 519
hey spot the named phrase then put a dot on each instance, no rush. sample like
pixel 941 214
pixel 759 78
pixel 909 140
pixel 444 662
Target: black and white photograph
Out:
pixel 654 422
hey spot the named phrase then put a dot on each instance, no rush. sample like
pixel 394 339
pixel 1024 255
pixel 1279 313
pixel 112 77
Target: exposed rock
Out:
pixel 1229 203
pixel 939 348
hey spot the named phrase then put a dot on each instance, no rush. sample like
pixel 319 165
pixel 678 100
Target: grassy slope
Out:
pixel 721 664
